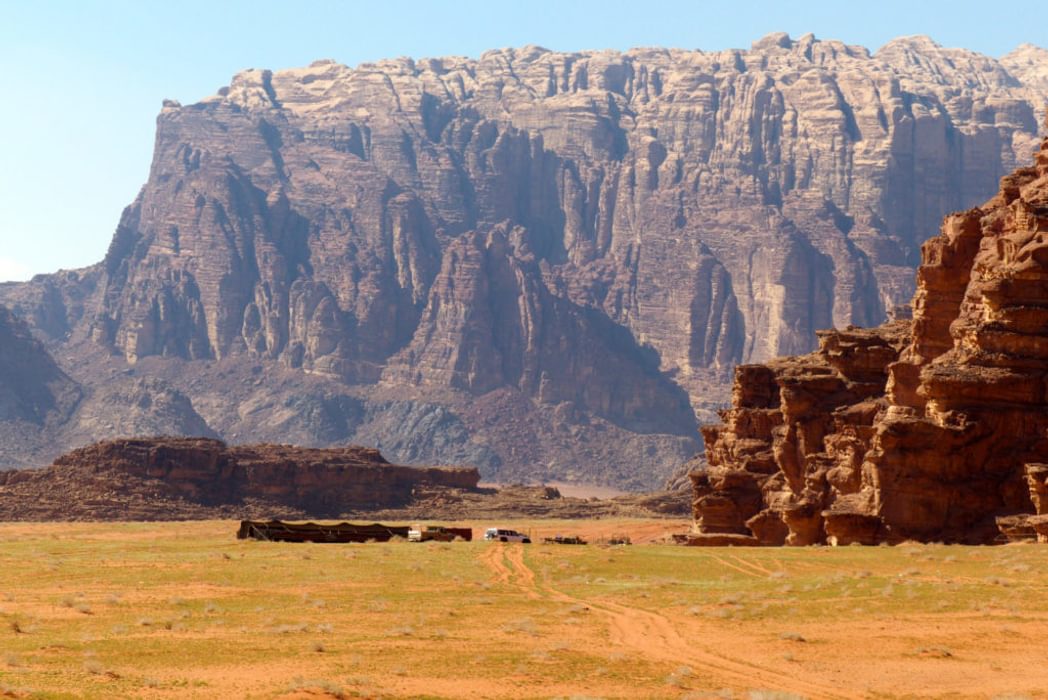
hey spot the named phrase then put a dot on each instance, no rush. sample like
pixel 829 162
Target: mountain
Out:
pixel 933 429
pixel 42 407
pixel 35 394
pixel 543 264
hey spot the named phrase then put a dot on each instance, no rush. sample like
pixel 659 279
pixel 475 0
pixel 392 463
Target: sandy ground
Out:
pixel 848 659
pixel 679 623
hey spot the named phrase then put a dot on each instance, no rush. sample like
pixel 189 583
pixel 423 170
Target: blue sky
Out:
pixel 82 82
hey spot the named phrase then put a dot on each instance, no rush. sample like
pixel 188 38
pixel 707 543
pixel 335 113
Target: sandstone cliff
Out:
pixel 929 429
pixel 533 261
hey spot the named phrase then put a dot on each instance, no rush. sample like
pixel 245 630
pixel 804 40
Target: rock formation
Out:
pixel 36 396
pixel 549 261
pixel 42 407
pixel 160 477
pixel 192 478
pixel 33 389
pixel 934 428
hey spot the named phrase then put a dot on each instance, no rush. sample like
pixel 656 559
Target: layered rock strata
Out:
pixel 196 479
pixel 210 473
pixel 928 429
pixel 582 244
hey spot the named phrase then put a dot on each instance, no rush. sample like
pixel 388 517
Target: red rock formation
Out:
pixel 206 472
pixel 929 429
pixel 793 441
pixel 197 479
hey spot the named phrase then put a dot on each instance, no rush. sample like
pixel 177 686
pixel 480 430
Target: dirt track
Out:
pixel 723 658
pixel 167 605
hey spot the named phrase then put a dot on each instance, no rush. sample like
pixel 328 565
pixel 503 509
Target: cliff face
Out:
pixel 579 243
pixel 928 429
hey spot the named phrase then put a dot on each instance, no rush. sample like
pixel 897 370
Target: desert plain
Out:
pixel 155 610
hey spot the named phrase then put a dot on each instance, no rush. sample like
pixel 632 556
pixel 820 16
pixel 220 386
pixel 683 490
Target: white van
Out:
pixel 497 534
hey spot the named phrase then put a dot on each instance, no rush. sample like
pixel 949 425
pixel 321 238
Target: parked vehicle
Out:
pixel 439 533
pixel 498 534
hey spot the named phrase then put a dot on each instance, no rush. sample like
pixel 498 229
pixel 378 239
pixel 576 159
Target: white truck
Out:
pixel 498 534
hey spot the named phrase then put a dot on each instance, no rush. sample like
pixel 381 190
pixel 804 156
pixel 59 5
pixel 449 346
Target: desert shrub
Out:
pixel 94 666
pixel 761 694
pixel 329 687
pixel 935 652
pixel 290 629
pixel 524 625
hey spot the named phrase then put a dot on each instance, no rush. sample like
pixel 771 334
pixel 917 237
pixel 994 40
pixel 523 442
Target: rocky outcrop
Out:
pixel 33 389
pixel 793 442
pixel 586 241
pixel 180 479
pixel 137 406
pixel 208 473
pixel 931 429
pixel 43 408
pixel 37 397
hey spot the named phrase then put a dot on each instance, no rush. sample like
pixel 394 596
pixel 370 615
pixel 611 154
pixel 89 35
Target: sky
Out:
pixel 82 82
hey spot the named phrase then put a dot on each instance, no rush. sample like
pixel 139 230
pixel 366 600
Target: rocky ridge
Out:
pixel 193 479
pixel 163 478
pixel 934 428
pixel 545 264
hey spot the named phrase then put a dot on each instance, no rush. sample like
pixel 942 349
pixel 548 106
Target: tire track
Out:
pixel 735 567
pixel 654 636
pixel 492 557
pixel 515 556
pixel 650 634
pixel 754 565
pixel 497 555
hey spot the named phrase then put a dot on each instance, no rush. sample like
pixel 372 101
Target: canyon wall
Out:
pixel 545 264
pixel 934 428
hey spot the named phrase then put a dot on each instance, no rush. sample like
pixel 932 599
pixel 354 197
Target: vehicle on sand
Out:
pixel 497 534
pixel 439 533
